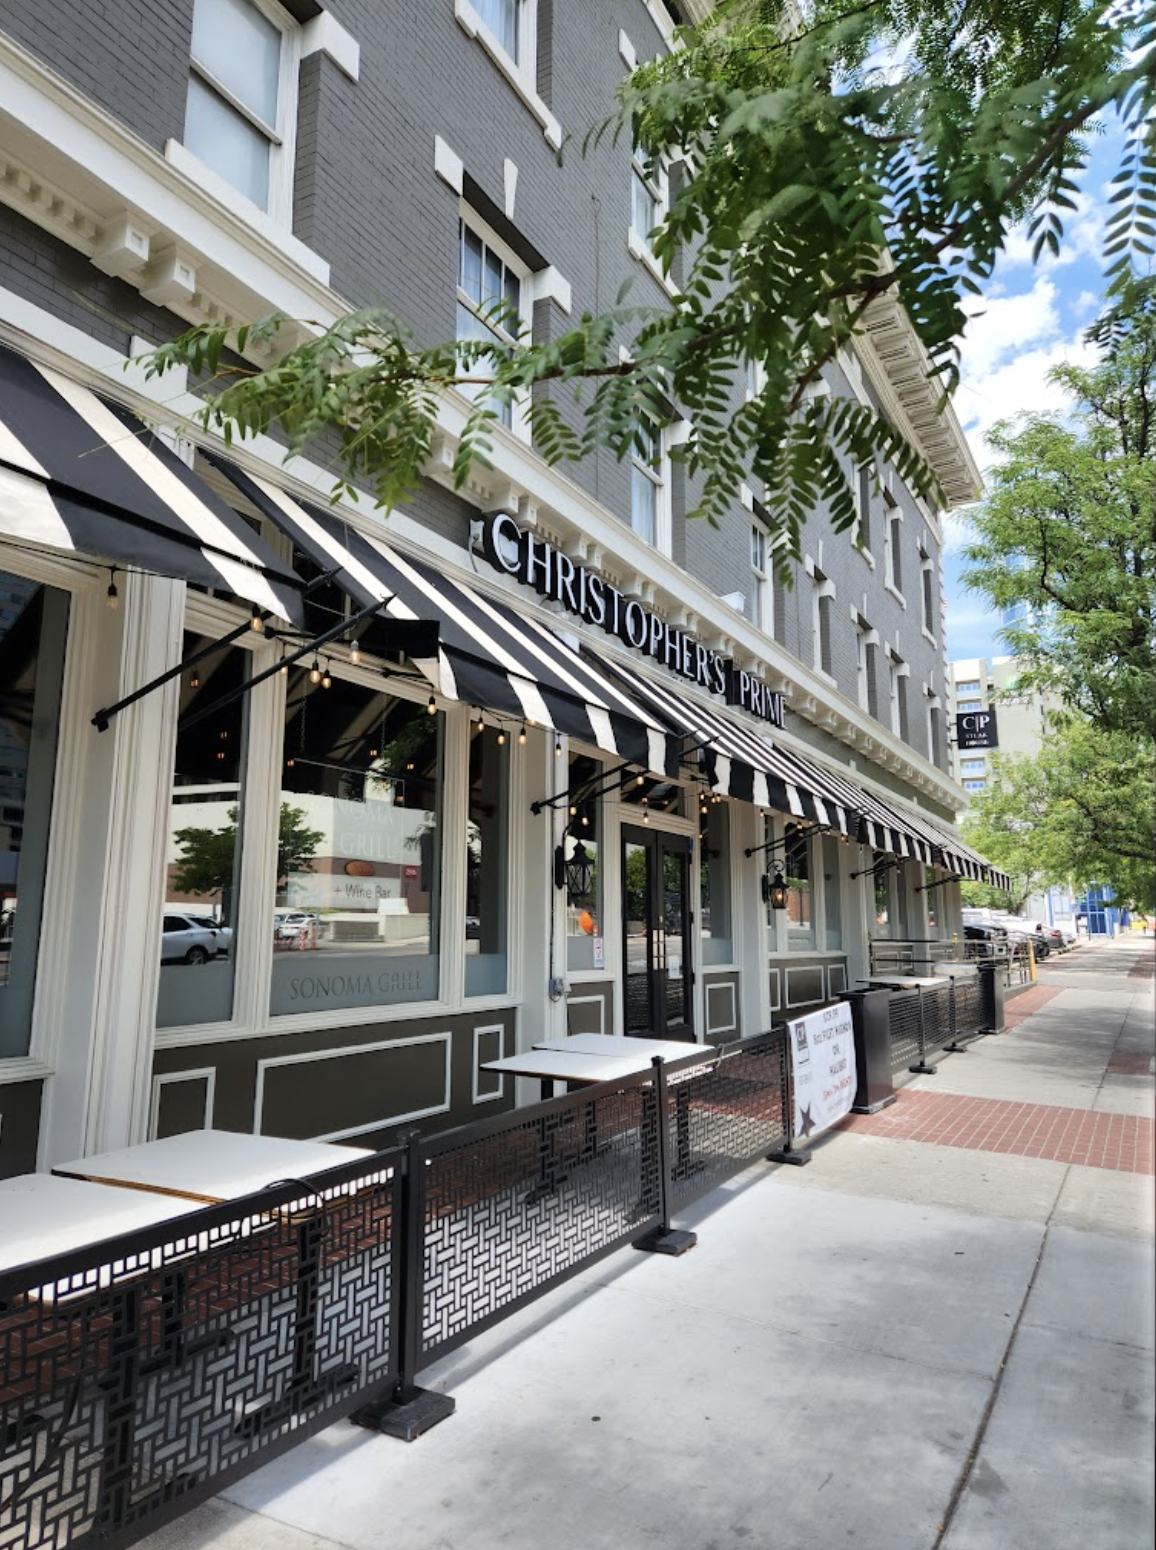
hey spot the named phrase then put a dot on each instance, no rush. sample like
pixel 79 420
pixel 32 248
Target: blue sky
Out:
pixel 1031 318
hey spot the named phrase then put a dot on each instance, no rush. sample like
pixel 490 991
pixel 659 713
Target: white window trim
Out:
pixel 823 588
pixel 519 418
pixel 282 136
pixel 660 478
pixel 523 78
pixel 658 185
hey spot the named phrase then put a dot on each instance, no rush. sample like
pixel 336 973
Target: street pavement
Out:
pixel 936 1336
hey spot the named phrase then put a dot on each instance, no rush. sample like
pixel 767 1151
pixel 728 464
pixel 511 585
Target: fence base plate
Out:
pixel 873 1108
pixel 406 1418
pixel 955 1049
pixel 922 1069
pixel 673 1241
pixel 796 1159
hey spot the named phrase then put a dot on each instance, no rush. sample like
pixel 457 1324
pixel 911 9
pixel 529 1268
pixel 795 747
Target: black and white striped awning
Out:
pixel 82 474
pixel 958 856
pixel 489 654
pixel 743 764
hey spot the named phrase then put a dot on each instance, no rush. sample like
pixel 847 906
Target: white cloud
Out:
pixel 1082 238
pixel 999 324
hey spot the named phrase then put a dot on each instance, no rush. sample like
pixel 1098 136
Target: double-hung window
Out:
pixel 489 306
pixel 823 603
pixel 648 485
pixel 927 578
pixel 894 544
pixel 760 594
pixel 506 22
pixel 863 508
pixel 241 108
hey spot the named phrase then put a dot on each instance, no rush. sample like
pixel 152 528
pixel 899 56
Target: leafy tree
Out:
pixel 1069 530
pixel 1079 812
pixel 209 855
pixel 833 156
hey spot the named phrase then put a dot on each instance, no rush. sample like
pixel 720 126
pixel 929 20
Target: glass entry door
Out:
pixel 656 923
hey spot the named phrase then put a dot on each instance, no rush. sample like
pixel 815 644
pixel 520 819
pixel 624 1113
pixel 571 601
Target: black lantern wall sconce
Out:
pixel 774 893
pixel 574 873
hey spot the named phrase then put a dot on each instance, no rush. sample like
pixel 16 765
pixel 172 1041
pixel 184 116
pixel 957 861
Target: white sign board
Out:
pixel 823 1058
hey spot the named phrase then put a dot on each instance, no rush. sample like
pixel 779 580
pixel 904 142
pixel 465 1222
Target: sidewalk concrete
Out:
pixel 907 1345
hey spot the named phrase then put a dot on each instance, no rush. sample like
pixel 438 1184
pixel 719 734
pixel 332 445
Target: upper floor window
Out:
pixel 894 543
pixel 649 514
pixel 489 304
pixel 241 107
pixel 863 504
pixel 972 687
pixel 927 569
pixel 973 785
pixel 505 20
pixel 968 705
pixel 972 767
pixel 824 598
pixel 648 196
pixel 759 591
pixel 897 696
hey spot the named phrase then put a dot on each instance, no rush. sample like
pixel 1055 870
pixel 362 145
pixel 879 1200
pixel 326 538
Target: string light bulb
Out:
pixel 326 680
pixel 355 652
pixel 557 748
pixel 522 738
pixel 315 672
pixel 256 623
pixel 481 723
pixel 501 738
pixel 431 706
pixel 194 679
pixel 112 594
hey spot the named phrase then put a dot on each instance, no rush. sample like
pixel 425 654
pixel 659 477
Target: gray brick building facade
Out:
pixel 399 122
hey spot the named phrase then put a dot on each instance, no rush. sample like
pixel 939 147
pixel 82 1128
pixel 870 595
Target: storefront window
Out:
pixel 33 626
pixel 882 881
pixel 715 883
pixel 202 860
pixel 832 900
pixel 359 855
pixel 487 851
pixel 797 869
pixel 582 848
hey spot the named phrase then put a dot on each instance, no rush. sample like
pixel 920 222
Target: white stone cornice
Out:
pixel 80 174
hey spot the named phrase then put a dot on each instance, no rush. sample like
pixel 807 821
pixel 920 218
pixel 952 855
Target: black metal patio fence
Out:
pixel 144 1374
pixel 926 1019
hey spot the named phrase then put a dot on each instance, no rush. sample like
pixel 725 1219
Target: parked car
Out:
pixel 986 932
pixel 192 939
pixel 289 927
pixel 1023 931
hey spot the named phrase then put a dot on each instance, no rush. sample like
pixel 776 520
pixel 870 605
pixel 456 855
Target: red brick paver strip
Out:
pixel 1122 1142
pixel 1027 1002
pixel 1126 1063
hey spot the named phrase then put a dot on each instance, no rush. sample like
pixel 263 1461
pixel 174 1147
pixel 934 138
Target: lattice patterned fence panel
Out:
pixel 720 1118
pixel 515 1205
pixel 139 1376
pixel 904 1014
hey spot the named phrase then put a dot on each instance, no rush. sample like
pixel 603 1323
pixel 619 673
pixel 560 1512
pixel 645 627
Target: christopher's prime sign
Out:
pixel 519 552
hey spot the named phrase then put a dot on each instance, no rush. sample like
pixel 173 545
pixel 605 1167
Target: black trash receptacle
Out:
pixel 991 989
pixel 871 1021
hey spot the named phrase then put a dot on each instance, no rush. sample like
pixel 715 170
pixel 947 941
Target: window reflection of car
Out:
pixel 290 926
pixel 473 927
pixel 192 939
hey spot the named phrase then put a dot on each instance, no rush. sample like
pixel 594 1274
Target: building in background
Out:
pixel 309 814
pixel 979 684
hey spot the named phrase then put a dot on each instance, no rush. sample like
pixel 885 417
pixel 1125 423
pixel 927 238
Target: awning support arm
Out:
pixel 584 791
pixel 102 718
pixel 286 661
pixel 954 878
pixel 786 839
pixel 883 866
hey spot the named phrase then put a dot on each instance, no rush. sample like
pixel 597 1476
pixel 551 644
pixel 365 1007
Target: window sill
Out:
pixel 867 557
pixel 828 678
pixel 267 226
pixel 929 637
pixel 640 250
pixel 895 593
pixel 473 26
